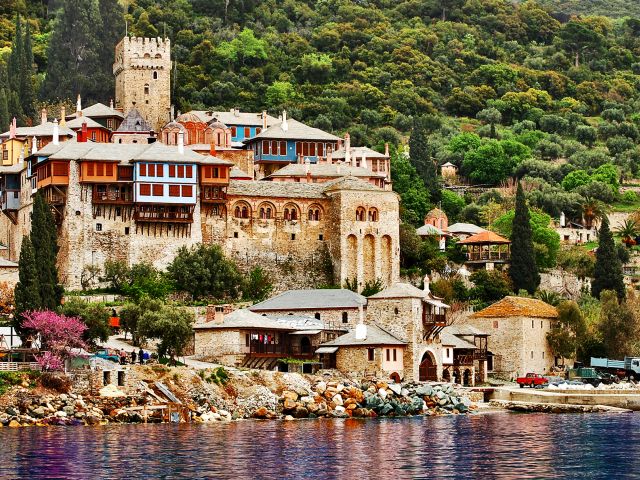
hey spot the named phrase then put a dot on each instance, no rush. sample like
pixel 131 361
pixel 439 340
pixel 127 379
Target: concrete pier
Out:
pixel 627 399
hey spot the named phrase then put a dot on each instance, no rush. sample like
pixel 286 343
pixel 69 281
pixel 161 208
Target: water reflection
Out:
pixel 482 446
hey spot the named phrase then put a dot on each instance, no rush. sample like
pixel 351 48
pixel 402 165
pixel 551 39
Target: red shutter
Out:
pixel 172 170
pixel 143 169
pixel 60 169
pixel 265 147
pixel 90 169
pixel 159 170
pixel 152 170
pixel 274 147
pixel 186 190
pixel 109 169
pixel 174 190
pixel 298 148
pixel 145 189
pixel 247 132
pixel 189 170
pixel 233 131
pixel 180 171
pixel 312 149
pixel 283 148
pixel 321 149
pixel 158 189
pixel 100 170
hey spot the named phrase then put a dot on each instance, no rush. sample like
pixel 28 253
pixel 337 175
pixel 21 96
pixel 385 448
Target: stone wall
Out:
pixel 354 360
pixel 219 342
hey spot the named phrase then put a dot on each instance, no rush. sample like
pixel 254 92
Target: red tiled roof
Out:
pixel 484 237
pixel 518 307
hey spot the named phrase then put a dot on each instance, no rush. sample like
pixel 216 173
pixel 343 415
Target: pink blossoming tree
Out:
pixel 59 334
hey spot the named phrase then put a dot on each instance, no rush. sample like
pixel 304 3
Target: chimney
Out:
pixel 264 119
pixel 63 116
pixel 79 107
pixel 111 103
pixel 212 149
pixel 43 116
pixel 284 124
pixel 215 314
pixel 426 288
pixel 563 220
pixel 56 132
pixel 347 148
pixel 181 142
pixel 386 149
pixel 173 111
pixel 34 145
pixel 361 328
pixel 12 128
pixel 236 112
pixel 363 162
pixel 83 136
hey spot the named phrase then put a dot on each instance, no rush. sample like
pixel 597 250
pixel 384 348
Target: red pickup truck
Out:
pixel 533 380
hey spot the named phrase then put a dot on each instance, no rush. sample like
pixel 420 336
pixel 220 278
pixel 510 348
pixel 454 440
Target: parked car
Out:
pixel 107 354
pixel 532 380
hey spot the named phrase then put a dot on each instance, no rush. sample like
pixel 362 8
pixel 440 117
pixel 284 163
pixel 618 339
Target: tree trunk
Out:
pixel 577 63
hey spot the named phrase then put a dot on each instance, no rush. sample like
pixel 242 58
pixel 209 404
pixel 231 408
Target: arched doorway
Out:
pixel 446 376
pixel 466 378
pixel 305 345
pixel 428 368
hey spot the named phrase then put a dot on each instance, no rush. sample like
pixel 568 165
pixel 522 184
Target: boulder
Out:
pixel 289 404
pixel 14 424
pixel 321 387
pixel 301 412
pixel 289 395
pixel 337 399
pixel 396 388
pixel 424 391
pixel 288 418
pixel 383 393
pixel 262 412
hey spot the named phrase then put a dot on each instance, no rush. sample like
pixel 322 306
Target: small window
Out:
pixel 317 315
pixel 145 189
pixel 396 311
pixel 172 170
pixel 158 189
pixel 235 234
pixel 187 190
pixel 121 378
pixel 126 230
pixel 388 351
pixel 233 131
pixel 155 75
pixel 395 355
pixel 146 89
pixel 541 324
pixel 542 354
pixel 143 169
pixel 531 353
pixel 345 317
pixel 189 171
pixel 247 132
pixel 118 211
pixel 532 324
pixel 174 190
pixel 293 236
pixel 321 237
pixel 495 324
pixel 371 354
pixel 98 227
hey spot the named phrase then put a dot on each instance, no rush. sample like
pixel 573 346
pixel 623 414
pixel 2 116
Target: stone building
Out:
pixel 518 330
pixel 142 68
pixel 340 307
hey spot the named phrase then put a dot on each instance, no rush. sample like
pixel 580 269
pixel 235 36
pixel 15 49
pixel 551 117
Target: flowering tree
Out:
pixel 59 334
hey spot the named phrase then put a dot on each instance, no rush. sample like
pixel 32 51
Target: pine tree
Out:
pixel 45 244
pixel 422 158
pixel 74 53
pixel 27 291
pixel 523 269
pixel 607 273
pixel 5 120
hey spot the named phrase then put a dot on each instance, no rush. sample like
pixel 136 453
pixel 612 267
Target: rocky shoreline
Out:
pixel 243 395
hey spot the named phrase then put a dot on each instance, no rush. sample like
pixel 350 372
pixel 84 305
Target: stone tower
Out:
pixel 142 69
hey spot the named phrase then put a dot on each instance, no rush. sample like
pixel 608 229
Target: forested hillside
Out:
pixel 612 8
pixel 494 88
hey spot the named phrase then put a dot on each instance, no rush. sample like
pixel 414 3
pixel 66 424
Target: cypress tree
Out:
pixel 607 273
pixel 14 65
pixel 27 291
pixel 421 157
pixel 523 269
pixel 26 90
pixel 45 244
pixel 112 31
pixel 5 120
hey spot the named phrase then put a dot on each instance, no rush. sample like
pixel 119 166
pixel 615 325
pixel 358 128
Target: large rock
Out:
pixel 396 388
pixel 301 412
pixel 321 387
pixel 383 393
pixel 337 399
pixel 289 395
pixel 424 391
pixel 262 412
pixel 289 404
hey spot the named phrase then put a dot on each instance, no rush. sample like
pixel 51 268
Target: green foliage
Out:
pixel 568 331
pixel 618 325
pixel 172 326
pixel 94 315
pixel 204 272
pixel 452 204
pixel 494 160
pixel 489 287
pixel 371 287
pixel 523 269
pixel 608 269
pixel 414 197
pixel 576 260
pixel 542 234
pixel 131 312
pixel 258 285
pixel 422 158
pixel 219 376
pixel 44 237
pixel 27 291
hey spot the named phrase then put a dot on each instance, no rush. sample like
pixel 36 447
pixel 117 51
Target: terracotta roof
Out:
pixel 484 237
pixel 518 307
pixel 436 213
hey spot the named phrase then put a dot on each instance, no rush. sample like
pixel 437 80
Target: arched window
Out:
pixel 237 213
pixel 360 214
pixel 290 212
pixel 155 75
pixel 268 213
pixel 314 213
pixel 373 215
pixel 286 214
pixel 294 214
pixel 245 212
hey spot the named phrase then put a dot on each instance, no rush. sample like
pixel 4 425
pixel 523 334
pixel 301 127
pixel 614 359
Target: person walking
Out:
pixel 141 356
pixel 123 357
pixel 133 356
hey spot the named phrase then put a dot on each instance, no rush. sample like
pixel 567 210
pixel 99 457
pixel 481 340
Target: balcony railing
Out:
pixel 437 319
pixel 112 196
pixel 210 195
pixel 488 256
pixel 163 216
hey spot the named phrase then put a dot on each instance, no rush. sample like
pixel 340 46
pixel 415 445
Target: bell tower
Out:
pixel 142 68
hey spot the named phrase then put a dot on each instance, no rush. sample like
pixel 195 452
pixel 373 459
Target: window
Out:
pixel 235 234
pixel 143 169
pixel 396 311
pixel 258 130
pixel 247 132
pixel 388 350
pixel 345 317
pixel 274 147
pixel 60 169
pixel 298 148
pixel 159 170
pixel 118 211
pixel 187 190
pixel 126 230
pixel 155 75
pixel 189 171
pixel 99 170
pixel 158 189
pixel 531 353
pixel 293 236
pixel 321 237
pixel 321 149
pixel 317 315
pixel 172 170
pixel 98 227
pixel 174 190
pixel 146 89
pixel 108 169
pixel 180 171
pixel 110 123
pixel 145 189
pixel 394 355
pixel 360 214
pixel 495 324
pixel 540 323
pixel 543 355
pixel 233 131
pixel 266 147
pixel 90 169
pixel 373 215
pixel 532 324
pixel 370 354
pixel 283 148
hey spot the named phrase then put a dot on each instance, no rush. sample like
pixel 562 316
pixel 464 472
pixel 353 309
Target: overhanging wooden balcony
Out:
pixel 113 197
pixel 163 213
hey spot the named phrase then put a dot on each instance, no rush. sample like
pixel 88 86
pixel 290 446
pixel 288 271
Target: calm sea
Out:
pixel 501 445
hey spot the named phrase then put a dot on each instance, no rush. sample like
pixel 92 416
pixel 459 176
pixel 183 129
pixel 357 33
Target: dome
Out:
pixel 436 213
pixel 174 124
pixel 188 117
pixel 215 123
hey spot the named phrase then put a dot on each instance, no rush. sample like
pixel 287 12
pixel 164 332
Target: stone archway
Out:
pixel 446 375
pixel 428 368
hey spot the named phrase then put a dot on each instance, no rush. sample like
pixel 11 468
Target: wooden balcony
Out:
pixel 488 256
pixel 163 213
pixel 113 197
pixel 212 194
pixel 432 324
